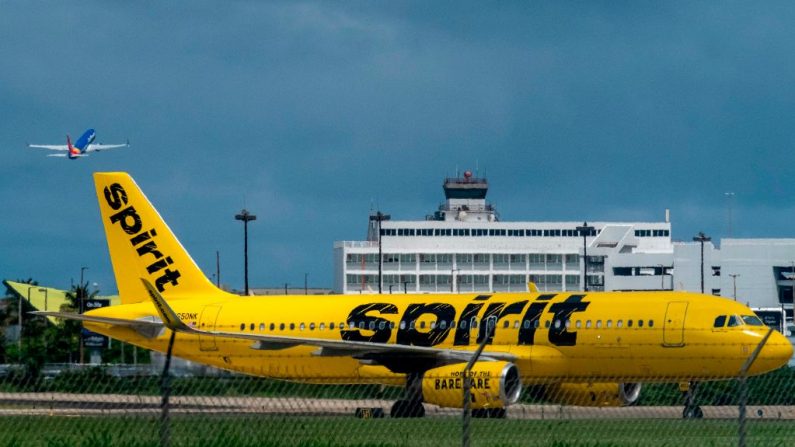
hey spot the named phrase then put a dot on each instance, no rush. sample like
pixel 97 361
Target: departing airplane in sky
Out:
pixel 580 348
pixel 81 148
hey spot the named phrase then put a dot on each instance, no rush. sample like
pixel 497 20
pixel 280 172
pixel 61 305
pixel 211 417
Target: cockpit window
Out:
pixel 734 321
pixel 720 321
pixel 752 320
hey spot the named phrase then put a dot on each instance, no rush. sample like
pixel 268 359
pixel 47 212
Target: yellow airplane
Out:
pixel 581 348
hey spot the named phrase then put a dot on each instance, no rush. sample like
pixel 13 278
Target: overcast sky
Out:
pixel 309 114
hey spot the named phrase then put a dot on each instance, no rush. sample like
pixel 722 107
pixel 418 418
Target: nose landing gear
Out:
pixel 692 410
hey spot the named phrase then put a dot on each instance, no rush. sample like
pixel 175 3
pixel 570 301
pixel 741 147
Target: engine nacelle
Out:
pixel 494 385
pixel 593 394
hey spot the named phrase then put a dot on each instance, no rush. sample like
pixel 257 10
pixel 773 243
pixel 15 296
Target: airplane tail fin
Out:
pixel 73 151
pixel 141 245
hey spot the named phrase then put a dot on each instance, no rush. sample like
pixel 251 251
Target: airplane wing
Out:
pixel 52 147
pixel 104 147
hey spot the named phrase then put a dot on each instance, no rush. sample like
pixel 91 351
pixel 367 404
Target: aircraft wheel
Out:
pixel 693 412
pixel 489 413
pixel 407 409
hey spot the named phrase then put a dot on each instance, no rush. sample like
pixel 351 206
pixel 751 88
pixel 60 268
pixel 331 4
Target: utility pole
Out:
pixel 585 230
pixel 245 217
pixel 701 237
pixel 734 284
pixel 81 298
pixel 217 269
pixel 380 217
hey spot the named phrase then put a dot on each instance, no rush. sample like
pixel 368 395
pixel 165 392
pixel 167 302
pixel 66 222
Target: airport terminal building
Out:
pixel 465 247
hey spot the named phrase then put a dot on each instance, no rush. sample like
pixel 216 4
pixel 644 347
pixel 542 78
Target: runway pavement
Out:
pixel 67 404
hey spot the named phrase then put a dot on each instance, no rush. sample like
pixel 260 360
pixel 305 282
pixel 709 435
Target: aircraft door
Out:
pixel 207 323
pixel 674 324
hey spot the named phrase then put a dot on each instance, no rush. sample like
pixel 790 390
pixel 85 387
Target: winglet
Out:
pixel 531 287
pixel 169 317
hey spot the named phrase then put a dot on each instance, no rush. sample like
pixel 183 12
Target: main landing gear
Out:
pixel 411 404
pixel 692 410
pixel 489 413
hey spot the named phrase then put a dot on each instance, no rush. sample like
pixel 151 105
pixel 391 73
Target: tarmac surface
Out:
pixel 66 404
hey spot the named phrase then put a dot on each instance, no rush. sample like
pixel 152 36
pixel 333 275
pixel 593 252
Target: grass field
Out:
pixel 207 431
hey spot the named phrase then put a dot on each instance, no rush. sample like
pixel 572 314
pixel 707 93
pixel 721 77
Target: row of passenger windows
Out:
pixel 442 324
pixel 486 232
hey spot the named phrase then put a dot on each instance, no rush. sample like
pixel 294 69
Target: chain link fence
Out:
pixel 68 404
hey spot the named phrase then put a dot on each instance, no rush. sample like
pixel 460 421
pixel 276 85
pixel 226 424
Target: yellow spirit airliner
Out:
pixel 582 348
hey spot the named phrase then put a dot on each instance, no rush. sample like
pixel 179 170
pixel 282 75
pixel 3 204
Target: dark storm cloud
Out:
pixel 309 113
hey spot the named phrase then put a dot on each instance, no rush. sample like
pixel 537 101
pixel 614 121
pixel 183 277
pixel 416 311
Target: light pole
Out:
pixel 379 217
pixel 246 217
pixel 701 237
pixel 734 284
pixel 585 230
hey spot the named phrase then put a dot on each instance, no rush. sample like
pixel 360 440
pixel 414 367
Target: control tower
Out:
pixel 465 201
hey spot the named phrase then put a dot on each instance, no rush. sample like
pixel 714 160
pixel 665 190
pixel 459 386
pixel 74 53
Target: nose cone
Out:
pixel 776 353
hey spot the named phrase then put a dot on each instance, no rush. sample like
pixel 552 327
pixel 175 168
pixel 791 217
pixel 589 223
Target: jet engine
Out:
pixel 493 385
pixel 593 394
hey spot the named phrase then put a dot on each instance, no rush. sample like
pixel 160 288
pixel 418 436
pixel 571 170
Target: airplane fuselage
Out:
pixel 593 336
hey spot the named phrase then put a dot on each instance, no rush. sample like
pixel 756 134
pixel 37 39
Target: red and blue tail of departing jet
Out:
pixel 81 148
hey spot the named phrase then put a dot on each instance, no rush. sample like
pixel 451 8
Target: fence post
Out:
pixel 491 324
pixel 744 386
pixel 165 390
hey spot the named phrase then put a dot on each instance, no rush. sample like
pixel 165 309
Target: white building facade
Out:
pixel 464 247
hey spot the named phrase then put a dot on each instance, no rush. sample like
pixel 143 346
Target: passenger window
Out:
pixel 640 323
pixel 598 324
pixel 609 323
pixel 252 326
pixel 331 326
pixel 273 326
pixel 391 325
pixel 463 324
pixel 381 325
pixel 351 325
pixel 588 324
pixel 734 321
pixel 651 323
pixel 568 324
pixel 557 324
pixel 371 326
pixel 302 326
pixel 292 326
pixel 402 325
pixel 619 323
pixel 720 321
pixel 411 325
pixel 361 325
pixel 578 325
pixel 536 324
pixel 281 326
pixel 322 326
pixel 261 327
pixel 443 325
pixel 527 324
pixel 629 323
pixel 546 324
pixel 505 324
pixel 516 324
pixel 422 325
pixel 474 323
pixel 242 326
